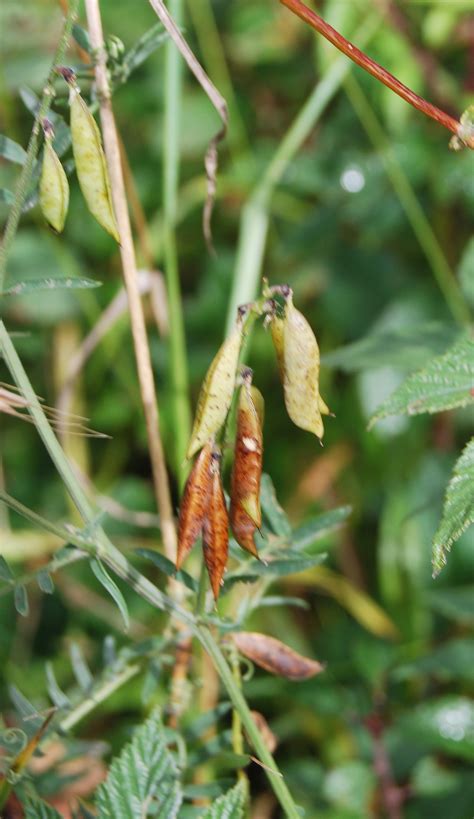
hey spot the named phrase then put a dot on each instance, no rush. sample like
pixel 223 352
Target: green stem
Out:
pixel 255 219
pixel 171 142
pixel 23 184
pixel 414 212
pixel 99 694
pixel 200 608
pixel 271 769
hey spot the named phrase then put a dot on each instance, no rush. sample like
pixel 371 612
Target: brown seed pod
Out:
pixel 298 361
pixel 275 656
pixel 245 512
pixel 194 504
pixel 216 530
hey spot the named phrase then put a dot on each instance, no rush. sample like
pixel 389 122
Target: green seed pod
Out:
pixel 53 186
pixel 216 392
pixel 298 359
pixel 90 161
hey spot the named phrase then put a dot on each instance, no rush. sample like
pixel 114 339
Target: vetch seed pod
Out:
pixel 298 360
pixel 53 185
pixel 194 504
pixel 215 533
pixel 216 392
pixel 245 512
pixel 274 656
pixel 90 161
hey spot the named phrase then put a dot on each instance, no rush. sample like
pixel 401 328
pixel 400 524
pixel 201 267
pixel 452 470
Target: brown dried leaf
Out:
pixel 194 504
pixel 274 656
pixel 245 512
pixel 216 531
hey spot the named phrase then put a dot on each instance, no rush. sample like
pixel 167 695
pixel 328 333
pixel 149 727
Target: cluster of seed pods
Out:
pixel 91 167
pixel 203 509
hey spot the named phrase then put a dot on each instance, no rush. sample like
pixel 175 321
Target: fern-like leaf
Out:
pixel 458 512
pixel 37 809
pixel 144 771
pixel 229 806
pixel 446 382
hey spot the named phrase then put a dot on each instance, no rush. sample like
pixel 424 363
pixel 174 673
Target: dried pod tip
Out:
pixel 48 129
pixel 67 74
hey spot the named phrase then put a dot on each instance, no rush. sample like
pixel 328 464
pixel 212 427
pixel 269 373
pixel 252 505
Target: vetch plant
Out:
pixel 248 543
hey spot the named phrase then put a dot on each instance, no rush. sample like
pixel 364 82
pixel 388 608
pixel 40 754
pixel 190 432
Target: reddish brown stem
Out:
pixel 369 65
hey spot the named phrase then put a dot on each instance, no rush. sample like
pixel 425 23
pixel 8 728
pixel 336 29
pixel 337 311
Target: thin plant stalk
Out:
pixel 364 61
pixel 414 212
pixel 21 191
pixel 255 215
pixel 177 342
pixel 129 267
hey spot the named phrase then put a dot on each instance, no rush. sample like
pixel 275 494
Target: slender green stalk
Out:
pixel 24 180
pixel 414 212
pixel 271 769
pixel 255 219
pixel 99 694
pixel 171 141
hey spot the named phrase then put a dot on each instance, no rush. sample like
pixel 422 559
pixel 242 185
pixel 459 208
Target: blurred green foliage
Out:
pixel 340 236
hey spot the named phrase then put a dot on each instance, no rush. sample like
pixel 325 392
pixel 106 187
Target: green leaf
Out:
pixel 429 778
pixel 272 510
pixel 457 604
pixel 11 151
pixel 6 573
pixel 82 38
pixel 458 512
pixel 109 585
pixel 21 601
pixel 155 37
pixel 37 809
pixel 313 530
pixel 145 770
pixel 170 804
pixel 404 347
pixel 82 674
pixel 6 196
pixel 446 382
pixel 45 582
pixel 445 724
pixel 466 272
pixel 166 566
pixel 284 566
pixel 448 662
pixel 57 695
pixel 34 285
pixel 229 806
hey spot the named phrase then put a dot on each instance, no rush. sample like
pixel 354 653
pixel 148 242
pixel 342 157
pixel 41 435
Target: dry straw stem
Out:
pixel 377 71
pixel 127 252
pixel 218 102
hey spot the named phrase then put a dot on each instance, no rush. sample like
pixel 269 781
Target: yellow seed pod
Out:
pixel 298 358
pixel 216 392
pixel 90 161
pixel 53 186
